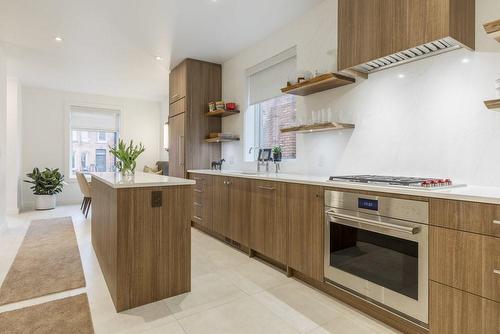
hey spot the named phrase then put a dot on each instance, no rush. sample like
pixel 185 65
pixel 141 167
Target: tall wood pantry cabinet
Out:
pixel 193 84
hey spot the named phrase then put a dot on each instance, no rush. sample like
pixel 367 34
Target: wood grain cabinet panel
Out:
pixel 231 208
pixel 465 216
pixel 237 224
pixel 202 200
pixel 176 147
pixel 453 311
pixel 305 206
pixel 177 108
pixel 178 82
pixel 268 227
pixel 466 261
pixel 220 204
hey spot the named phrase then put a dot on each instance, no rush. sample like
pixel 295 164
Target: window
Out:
pixel 100 160
pixel 97 129
pixel 101 137
pixel 84 136
pixel 270 110
pixel 272 115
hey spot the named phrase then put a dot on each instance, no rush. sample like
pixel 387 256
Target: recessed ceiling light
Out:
pixel 158 58
pixel 465 60
pixel 58 39
pixel 401 76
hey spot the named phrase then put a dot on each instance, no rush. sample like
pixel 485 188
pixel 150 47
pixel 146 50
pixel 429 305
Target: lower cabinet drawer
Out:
pixel 474 217
pixel 453 311
pixel 201 211
pixel 466 261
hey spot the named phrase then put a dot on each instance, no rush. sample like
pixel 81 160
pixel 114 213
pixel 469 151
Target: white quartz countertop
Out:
pixel 140 180
pixel 464 193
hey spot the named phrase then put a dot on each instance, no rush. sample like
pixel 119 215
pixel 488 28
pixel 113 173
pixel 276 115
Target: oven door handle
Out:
pixel 363 221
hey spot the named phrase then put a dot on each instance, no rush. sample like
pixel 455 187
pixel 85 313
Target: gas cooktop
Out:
pixel 398 181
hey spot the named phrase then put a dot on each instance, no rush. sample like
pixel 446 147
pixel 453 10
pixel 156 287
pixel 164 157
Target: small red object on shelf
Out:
pixel 231 106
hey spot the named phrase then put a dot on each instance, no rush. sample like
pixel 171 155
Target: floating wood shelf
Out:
pixel 319 84
pixel 492 104
pixel 318 127
pixel 221 140
pixel 493 29
pixel 222 113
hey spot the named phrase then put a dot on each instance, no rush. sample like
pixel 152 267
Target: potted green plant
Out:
pixel 126 156
pixel 45 185
pixel 277 153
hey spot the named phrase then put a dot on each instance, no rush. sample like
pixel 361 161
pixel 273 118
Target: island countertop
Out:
pixel 140 180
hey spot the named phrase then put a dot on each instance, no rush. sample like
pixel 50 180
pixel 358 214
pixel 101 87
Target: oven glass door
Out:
pixel 385 260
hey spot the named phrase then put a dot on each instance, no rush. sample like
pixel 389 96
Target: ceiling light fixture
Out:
pixel 58 39
pixel 401 76
pixel 158 58
pixel 465 60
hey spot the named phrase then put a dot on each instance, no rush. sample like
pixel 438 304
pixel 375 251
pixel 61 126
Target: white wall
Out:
pixel 432 122
pixel 45 124
pixel 14 146
pixel 3 137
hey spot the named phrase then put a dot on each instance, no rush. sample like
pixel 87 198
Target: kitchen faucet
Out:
pixel 260 160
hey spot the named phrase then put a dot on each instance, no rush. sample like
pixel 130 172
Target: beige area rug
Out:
pixel 48 261
pixel 64 316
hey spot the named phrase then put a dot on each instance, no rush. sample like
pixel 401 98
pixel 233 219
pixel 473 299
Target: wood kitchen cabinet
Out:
pixel 231 208
pixel 305 206
pixel 193 84
pixel 178 81
pixel 474 217
pixel 176 139
pixel 371 29
pixel 452 311
pixel 465 261
pixel 201 212
pixel 268 226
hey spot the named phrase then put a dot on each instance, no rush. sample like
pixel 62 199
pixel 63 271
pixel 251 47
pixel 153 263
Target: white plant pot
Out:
pixel 45 202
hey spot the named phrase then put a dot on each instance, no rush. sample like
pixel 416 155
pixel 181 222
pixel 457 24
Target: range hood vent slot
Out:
pixel 422 51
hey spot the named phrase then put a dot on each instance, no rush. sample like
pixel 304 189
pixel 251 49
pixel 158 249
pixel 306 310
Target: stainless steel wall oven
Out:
pixel 377 248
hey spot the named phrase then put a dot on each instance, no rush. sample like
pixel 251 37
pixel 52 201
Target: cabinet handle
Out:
pixel 199 218
pixel 266 188
pixel 497 222
pixel 198 178
pixel 496 271
pixel 197 190
pixel 198 204
pixel 174 96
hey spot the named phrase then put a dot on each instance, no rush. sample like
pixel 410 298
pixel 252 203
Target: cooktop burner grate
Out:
pixel 405 181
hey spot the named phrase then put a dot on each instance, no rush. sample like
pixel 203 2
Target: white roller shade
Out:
pixel 84 118
pixel 266 79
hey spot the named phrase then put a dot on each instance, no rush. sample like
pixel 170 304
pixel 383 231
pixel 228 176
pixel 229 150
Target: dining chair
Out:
pixel 85 188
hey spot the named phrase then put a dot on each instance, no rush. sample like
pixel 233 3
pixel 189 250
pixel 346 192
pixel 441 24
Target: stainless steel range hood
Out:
pixel 422 51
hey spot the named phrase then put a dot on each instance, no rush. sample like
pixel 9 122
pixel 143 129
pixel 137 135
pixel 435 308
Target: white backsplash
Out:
pixel 425 118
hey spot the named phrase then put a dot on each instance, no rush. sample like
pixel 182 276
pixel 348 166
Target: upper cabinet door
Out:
pixel 178 82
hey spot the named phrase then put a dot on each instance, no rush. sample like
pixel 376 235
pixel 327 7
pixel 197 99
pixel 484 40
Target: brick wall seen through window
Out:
pixel 277 113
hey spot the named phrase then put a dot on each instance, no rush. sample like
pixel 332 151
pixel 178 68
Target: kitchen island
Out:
pixel 141 236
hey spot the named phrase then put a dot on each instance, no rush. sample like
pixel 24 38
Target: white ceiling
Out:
pixel 110 46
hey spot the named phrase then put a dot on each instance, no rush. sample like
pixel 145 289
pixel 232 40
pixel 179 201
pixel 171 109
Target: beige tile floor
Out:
pixel 231 293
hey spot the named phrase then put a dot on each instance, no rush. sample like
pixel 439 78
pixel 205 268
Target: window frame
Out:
pixel 68 130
